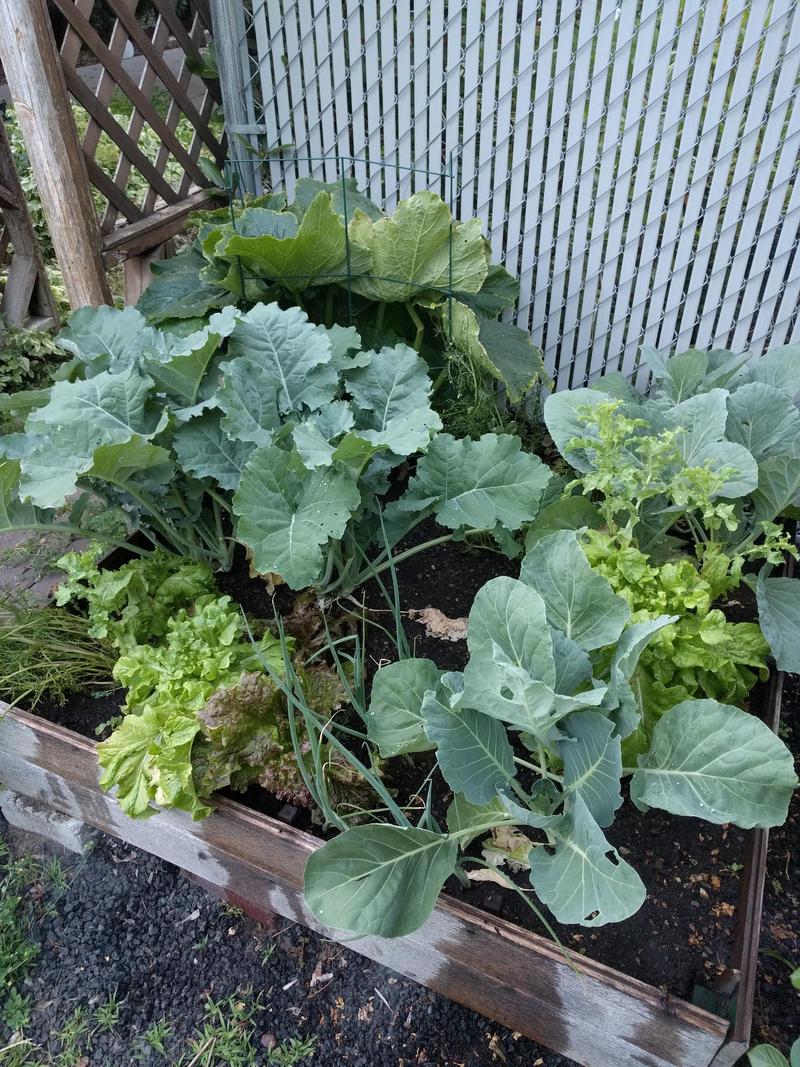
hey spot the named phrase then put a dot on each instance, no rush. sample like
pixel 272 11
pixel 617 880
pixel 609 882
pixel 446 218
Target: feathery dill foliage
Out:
pixel 46 653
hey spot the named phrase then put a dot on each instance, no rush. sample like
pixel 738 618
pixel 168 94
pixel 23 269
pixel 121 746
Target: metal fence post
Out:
pixel 230 37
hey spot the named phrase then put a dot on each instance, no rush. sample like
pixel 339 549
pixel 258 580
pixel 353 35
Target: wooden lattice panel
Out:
pixel 137 67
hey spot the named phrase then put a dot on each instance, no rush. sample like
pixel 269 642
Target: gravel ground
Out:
pixel 134 925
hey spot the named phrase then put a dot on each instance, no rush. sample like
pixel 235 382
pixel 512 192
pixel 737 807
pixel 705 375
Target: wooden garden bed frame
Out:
pixel 589 1012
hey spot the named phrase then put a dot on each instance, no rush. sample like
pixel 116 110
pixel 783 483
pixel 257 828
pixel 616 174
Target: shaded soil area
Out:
pixel 133 925
pixel 683 934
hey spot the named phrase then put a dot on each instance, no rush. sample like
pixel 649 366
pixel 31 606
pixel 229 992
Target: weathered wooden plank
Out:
pixel 152 229
pixel 35 77
pixel 585 1010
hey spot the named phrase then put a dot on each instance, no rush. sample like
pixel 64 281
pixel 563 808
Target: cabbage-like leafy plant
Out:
pixel 417 275
pixel 259 427
pixel 530 737
pixel 703 467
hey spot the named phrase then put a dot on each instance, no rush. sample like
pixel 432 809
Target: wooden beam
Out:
pixel 36 81
pixel 27 289
pixel 153 229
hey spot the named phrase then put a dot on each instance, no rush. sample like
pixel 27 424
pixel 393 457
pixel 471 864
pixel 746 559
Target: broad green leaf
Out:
pixel 391 397
pixel 205 450
pixel 508 615
pixel 180 369
pixel 499 349
pixel 702 420
pixel 106 338
pixel 767 1056
pixel 79 417
pixel 778 487
pixel 780 368
pixel 734 462
pixel 286 514
pixel 573 665
pixel 248 396
pixel 477 484
pixel 779 618
pixel 395 720
pixel 122 463
pixel 346 351
pixel 344 194
pixel 290 350
pixel 499 291
pixel 763 420
pixel 124 758
pixel 565 424
pixel 578 601
pixel 717 763
pixel 472 749
pixel 471 820
pixel 378 879
pixel 568 513
pixel 585 880
pixel 14 515
pixel 539 812
pixel 724 368
pixel 179 292
pixel 312 446
pixel 592 764
pixel 684 374
pixel 418 250
pixel 313 253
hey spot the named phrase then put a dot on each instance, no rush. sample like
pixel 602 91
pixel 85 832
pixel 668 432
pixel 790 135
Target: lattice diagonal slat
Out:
pixel 145 118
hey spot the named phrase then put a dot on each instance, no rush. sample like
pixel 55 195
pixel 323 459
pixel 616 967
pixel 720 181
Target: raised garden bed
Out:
pixel 590 1012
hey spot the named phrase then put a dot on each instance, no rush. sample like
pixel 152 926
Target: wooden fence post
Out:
pixel 36 80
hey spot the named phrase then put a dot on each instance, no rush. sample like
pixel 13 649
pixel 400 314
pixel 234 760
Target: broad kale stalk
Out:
pixel 701 470
pixel 261 427
pixel 416 275
pixel 529 739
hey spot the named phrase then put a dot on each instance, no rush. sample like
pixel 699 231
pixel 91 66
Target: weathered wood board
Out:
pixel 587 1011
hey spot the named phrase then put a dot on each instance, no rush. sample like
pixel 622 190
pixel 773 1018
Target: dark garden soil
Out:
pixel 682 936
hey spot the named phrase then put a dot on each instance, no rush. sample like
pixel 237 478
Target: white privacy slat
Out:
pixel 740 133
pixel 587 170
pixel 613 128
pixel 358 96
pixel 633 161
pixel 708 166
pixel 671 46
pixel 656 192
pixel 389 99
pixel 553 174
pixel 372 95
pixel 495 210
pixel 520 139
pixel 545 56
pixel 570 168
pixel 438 32
pixel 635 114
pixel 453 89
pixel 473 46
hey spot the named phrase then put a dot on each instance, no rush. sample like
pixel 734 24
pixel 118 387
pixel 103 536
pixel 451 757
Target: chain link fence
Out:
pixel 633 161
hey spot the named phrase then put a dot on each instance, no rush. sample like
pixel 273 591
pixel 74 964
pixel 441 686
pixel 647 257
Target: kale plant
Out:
pixel 259 427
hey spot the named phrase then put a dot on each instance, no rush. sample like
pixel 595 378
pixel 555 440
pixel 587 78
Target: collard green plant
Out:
pixel 703 469
pixel 417 275
pixel 256 426
pixel 530 737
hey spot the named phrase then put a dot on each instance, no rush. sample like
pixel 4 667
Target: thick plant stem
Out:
pixel 418 323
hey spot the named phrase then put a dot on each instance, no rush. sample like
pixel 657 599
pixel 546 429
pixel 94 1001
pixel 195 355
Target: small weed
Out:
pixel 158 1034
pixel 202 944
pixel 106 1015
pixel 20 1052
pixel 73 1038
pixel 16 1013
pixel 227 1033
pixel 293 1051
pixel 267 953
